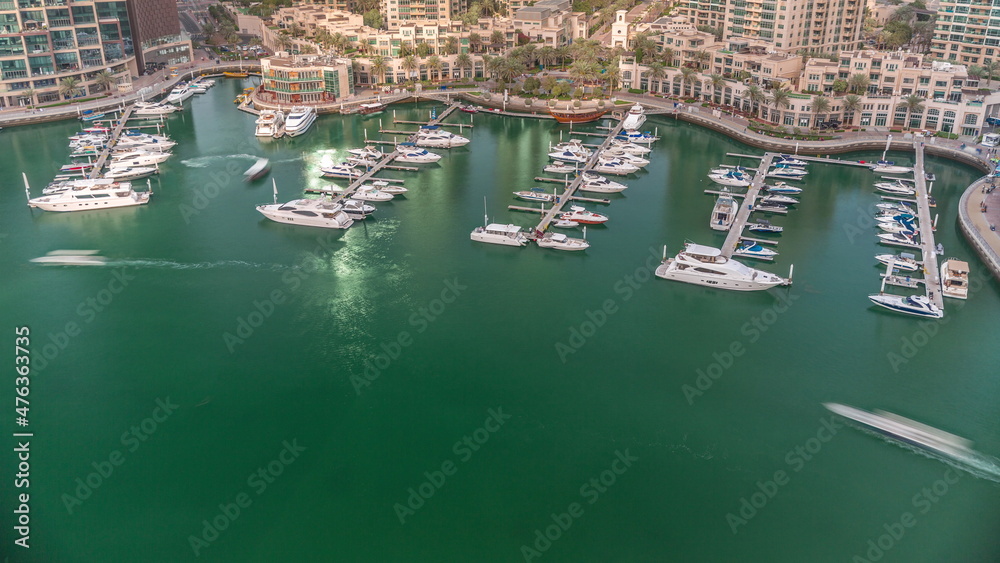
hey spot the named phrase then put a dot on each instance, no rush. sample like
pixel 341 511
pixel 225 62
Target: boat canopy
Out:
pixel 499 228
pixel 702 250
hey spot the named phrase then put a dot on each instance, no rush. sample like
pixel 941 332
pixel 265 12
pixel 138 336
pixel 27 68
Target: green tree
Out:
pixel 104 79
pixel 546 55
pixel 373 18
pixel 424 49
pixel 657 73
pixel 434 67
pixel 379 67
pixel 497 40
pixel 913 104
pixel 851 104
pixel 702 57
pixel 613 77
pixel 667 56
pixel 779 98
pixel 840 86
pixel 688 77
pixel 409 65
pixel 69 87
pixel 820 105
pixel 858 83
pixel 451 45
pixel 549 83
pixel 718 83
pixel 475 42
pixel 989 68
pixel 531 84
pixel 463 61
pixel 755 94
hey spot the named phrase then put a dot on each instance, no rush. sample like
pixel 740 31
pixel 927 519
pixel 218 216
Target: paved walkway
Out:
pixel 977 225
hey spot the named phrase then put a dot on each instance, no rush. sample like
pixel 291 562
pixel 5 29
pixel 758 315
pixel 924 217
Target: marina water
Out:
pixel 396 392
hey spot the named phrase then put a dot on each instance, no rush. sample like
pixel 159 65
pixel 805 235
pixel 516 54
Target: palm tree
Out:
pixel 757 98
pixel 29 94
pixel 284 41
pixel 475 41
pixel 913 104
pixel 463 61
pixel 104 79
pixel 498 40
pixel 409 65
pixel 851 104
pixel 688 77
pixel 434 66
pixel 546 55
pixel 339 42
pixel 379 67
pixel 975 71
pixel 718 82
pixel 509 68
pixel 613 76
pixel 451 45
pixel 779 99
pixel 657 72
pixel 69 87
pixel 858 83
pixel 667 56
pixel 701 57
pixel 988 69
pixel 820 104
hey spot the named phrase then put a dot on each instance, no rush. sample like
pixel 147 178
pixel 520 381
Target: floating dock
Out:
pixel 932 275
pixel 95 172
pixel 749 200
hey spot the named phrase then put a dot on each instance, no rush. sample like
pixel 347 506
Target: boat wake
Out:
pixel 206 161
pixel 978 465
pixel 171 265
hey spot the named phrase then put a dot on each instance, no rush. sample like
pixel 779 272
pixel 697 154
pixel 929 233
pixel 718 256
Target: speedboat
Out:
pixel 764 226
pixel 789 160
pixel 180 93
pixel 371 193
pixel 468 109
pixel 71 258
pixel 269 122
pixel 360 161
pixel 434 136
pixel 371 108
pixel 91 115
pixel 889 167
pixel 637 137
pixel 259 169
pixel 319 212
pixel 891 226
pixel 76 167
pixel 894 206
pixel 751 249
pixel 955 278
pixel 629 147
pixel 626 157
pixel 582 216
pixel 559 167
pixel 782 188
pixel 559 241
pixel 705 265
pixel 342 170
pixel 731 178
pixel 414 155
pixel 299 120
pixel 565 224
pixel 635 118
pixel 724 212
pixel 84 195
pixel 899 239
pixel 357 209
pixel 902 261
pixel 138 158
pixel 917 305
pixel 596 183
pixel 725 169
pixel 569 156
pixel 368 151
pixel 762 207
pixel 894 188
pixel 385 187
pixel 787 172
pixel 153 109
pixel 776 198
pixel 536 194
pixel 614 166
pixel 130 173
pixel 572 145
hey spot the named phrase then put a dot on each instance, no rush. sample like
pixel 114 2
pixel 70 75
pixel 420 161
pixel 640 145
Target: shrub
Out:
pixel 576 103
pixel 636 91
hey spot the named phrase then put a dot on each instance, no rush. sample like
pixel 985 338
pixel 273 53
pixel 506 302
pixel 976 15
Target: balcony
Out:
pixel 12 74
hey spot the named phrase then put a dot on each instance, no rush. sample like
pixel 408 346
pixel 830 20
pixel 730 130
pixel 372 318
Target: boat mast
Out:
pixel 274 186
pixel 27 189
pixel 888 141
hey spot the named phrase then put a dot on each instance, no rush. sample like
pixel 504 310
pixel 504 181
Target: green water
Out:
pixel 199 259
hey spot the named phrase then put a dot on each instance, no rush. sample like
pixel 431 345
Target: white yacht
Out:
pixel 180 93
pixel 614 166
pixel 71 258
pixel 559 167
pixel 564 156
pixel 628 147
pixel 368 151
pixel 414 155
pixel 496 233
pixel 559 241
pixel 889 167
pixel 579 215
pixel 788 160
pixel 778 198
pixel 635 118
pixel 901 261
pixel 899 239
pixel 319 212
pixel 153 109
pixel 434 136
pixel 894 188
pixel 83 195
pixel 138 158
pixel 299 120
pixel 269 123
pixel 371 193
pixel 751 249
pixel 342 170
pixel 917 305
pixel 385 187
pixel 626 157
pixel 258 170
pixel 357 209
pixel 705 265
pixel 130 173
pixel 955 278
pixel 724 212
pixel 731 178
pixel 596 183
pixel 782 189
pixel 637 137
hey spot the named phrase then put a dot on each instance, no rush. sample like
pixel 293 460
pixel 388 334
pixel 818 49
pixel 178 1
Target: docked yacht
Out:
pixel 154 109
pixel 614 166
pixel 637 137
pixel 778 198
pixel 724 212
pixel 130 173
pixel 628 147
pixel 955 278
pixel 357 209
pixel 385 187
pixel 705 265
pixel 788 160
pixel 180 93
pixel 361 161
pixel 787 172
pixel 559 241
pixel 751 249
pixel 731 178
pixel 368 151
pixel 894 206
pixel 635 118
pixel 495 233
pixel 269 123
pixel 342 170
pixel 414 155
pixel 596 183
pixel 559 167
pixel 433 136
pixel 917 305
pixel 83 195
pixel 899 239
pixel 889 167
pixel 319 212
pixel 782 189
pixel 891 226
pixel 299 120
pixel 894 188
pixel 536 194
pixel 901 261
pixel 371 193
pixel 625 157
pixel 580 215
pixel 138 158
pixel 371 108
pixel 764 226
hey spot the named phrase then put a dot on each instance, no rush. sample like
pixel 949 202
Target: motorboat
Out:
pixel 565 224
pixel 563 156
pixel 631 148
pixel 955 278
pixel 725 169
pixel 572 145
pixel 764 226
pixel 584 217
pixel 596 183
pixel 258 170
pixel 902 261
pixel 180 93
pixel 724 212
pixel 894 188
pixel 368 151
pixel 320 212
pixel 731 178
pixel 342 170
pixel 433 136
pixel 635 117
pixel 76 167
pixel 497 233
pixel 360 161
pixel 269 123
pixel 154 109
pixel 91 115
pixel 896 227
pixel 536 194
pixel 614 166
pixel 889 167
pixel 468 108
pixel 637 137
pixel 357 209
pixel 782 189
pixel 371 108
pixel 415 155
pixel 71 258
pixel 130 173
pixel 894 206
pixel 559 167
pixel 899 239
pixel 299 120
pixel 371 193
pixel 902 280
pixel 559 241
pixel 917 305
pixel 625 157
pixel 705 265
pixel 138 158
pixel 778 198
pixel 789 160
pixel 787 172
pixel 90 194
pixel 385 187
pixel 751 249
pixel 762 207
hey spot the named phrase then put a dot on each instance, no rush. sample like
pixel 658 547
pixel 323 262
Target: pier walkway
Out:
pixel 932 275
pixel 95 172
pixel 749 200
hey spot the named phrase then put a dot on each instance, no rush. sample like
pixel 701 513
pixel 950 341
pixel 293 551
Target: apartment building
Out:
pixel 399 12
pixel 815 25
pixel 967 32
pixel 551 22
pixel 157 31
pixel 305 80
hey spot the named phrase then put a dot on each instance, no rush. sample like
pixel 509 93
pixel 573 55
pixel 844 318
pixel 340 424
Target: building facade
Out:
pixel 967 32
pixel 304 80
pixel 157 32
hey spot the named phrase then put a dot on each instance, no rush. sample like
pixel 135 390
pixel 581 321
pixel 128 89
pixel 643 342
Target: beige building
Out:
pixel 965 32
pixel 826 26
pixel 305 80
pixel 399 12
